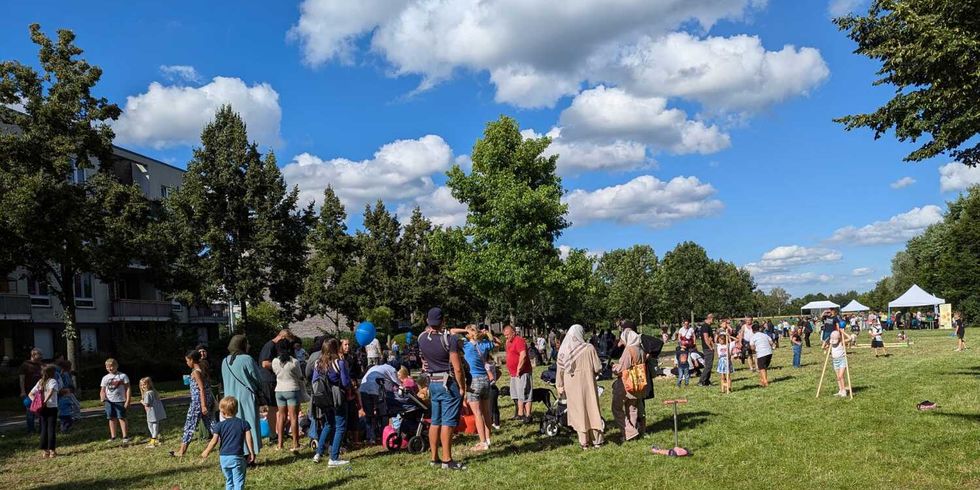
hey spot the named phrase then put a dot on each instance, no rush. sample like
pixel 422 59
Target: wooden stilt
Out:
pixel 823 372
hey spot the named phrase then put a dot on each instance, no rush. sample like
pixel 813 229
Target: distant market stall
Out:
pixel 854 307
pixel 818 305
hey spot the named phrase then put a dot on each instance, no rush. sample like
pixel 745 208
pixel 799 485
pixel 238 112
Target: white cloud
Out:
pixel 955 176
pixel 564 250
pixel 398 171
pixel 839 8
pixel 784 257
pixel 862 271
pixel 440 207
pixel 603 114
pixel 897 229
pixel 792 279
pixel 166 116
pixel 180 73
pixel 537 51
pixel 725 74
pixel 644 200
pixel 576 156
pixel 902 183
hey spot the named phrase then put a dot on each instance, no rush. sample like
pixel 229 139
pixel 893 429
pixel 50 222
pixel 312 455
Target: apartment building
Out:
pixel 31 317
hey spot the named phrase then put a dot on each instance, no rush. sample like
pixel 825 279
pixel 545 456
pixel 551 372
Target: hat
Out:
pixel 434 318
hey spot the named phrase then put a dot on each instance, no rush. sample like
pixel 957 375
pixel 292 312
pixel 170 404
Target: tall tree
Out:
pixel 930 53
pixel 244 236
pixel 52 225
pixel 515 214
pixel 376 267
pixel 732 289
pixel 416 263
pixel 327 289
pixel 685 281
pixel 629 274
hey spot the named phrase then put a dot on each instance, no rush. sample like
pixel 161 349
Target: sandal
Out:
pixel 480 446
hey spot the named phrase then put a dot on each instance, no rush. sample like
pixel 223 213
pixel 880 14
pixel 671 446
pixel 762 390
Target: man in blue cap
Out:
pixel 441 364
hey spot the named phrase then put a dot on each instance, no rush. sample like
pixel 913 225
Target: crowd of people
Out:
pixel 344 397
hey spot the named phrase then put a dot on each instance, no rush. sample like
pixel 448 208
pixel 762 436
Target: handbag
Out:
pixel 635 378
pixel 38 401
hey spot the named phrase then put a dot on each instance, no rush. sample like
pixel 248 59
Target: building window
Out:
pixel 77 174
pixel 164 191
pixel 38 290
pixel 83 291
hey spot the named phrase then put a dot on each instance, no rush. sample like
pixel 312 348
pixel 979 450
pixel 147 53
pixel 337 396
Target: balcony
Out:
pixel 216 313
pixel 136 310
pixel 15 307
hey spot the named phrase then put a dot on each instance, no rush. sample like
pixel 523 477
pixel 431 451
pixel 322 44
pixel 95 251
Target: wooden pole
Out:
pixel 823 372
pixel 847 369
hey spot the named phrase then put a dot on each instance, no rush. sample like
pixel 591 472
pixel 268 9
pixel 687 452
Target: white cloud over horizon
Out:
pixel 955 176
pixel 902 183
pixel 772 280
pixel 784 257
pixel 440 207
pixel 897 229
pixel 398 171
pixel 173 115
pixel 181 73
pixel 862 271
pixel 645 200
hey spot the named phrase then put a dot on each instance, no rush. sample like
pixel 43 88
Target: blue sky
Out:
pixel 707 121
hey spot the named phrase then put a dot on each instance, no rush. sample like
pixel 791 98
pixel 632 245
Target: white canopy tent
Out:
pixel 819 305
pixel 915 296
pixel 854 306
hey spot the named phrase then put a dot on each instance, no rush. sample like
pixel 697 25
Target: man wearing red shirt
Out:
pixel 519 367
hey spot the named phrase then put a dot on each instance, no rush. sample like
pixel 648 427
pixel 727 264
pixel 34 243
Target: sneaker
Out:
pixel 316 458
pixel 453 465
pixel 125 440
pixel 435 464
pixel 495 426
pixel 336 463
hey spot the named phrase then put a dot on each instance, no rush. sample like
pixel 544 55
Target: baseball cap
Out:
pixel 434 317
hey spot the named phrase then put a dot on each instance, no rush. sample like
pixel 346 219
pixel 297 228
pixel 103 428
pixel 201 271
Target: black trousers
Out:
pixel 709 358
pixel 494 407
pixel 806 337
pixel 49 427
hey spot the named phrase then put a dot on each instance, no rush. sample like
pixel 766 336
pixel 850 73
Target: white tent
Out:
pixel 819 305
pixel 854 306
pixel 915 296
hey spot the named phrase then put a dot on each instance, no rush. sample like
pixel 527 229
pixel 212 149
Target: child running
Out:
pixel 838 353
pixel 233 434
pixel 115 394
pixel 724 346
pixel 154 410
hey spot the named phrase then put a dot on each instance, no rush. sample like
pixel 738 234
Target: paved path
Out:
pixel 8 424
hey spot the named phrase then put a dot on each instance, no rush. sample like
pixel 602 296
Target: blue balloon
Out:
pixel 27 402
pixel 365 333
pixel 264 427
pixel 408 338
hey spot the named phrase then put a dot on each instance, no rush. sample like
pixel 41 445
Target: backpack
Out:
pixel 327 395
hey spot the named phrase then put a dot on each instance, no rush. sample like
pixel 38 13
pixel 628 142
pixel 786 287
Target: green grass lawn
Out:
pixel 780 437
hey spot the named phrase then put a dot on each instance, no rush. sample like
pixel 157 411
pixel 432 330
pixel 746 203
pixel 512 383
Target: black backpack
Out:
pixel 327 395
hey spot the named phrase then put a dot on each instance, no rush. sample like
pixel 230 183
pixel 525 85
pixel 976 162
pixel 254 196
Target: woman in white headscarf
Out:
pixel 626 407
pixel 578 365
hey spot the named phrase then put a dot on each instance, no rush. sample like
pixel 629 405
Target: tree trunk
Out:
pixel 244 325
pixel 66 283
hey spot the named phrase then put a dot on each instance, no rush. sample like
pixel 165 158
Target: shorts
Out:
pixel 445 403
pixel 840 362
pixel 115 410
pixel 824 336
pixel 287 398
pixel 479 389
pixel 763 362
pixel 959 334
pixel 877 344
pixel 724 367
pixel 268 387
pixel 520 387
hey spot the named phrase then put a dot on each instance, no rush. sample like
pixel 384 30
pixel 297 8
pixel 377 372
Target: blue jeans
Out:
pixel 446 402
pixel 234 469
pixel 334 421
pixel 797 351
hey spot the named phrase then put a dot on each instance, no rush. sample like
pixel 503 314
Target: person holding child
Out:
pixel 476 349
pixel 115 393
pixel 234 435
pixel 578 365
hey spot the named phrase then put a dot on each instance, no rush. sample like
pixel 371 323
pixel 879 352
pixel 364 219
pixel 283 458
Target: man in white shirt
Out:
pixel 762 345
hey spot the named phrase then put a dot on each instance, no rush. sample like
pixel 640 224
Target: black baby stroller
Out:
pixel 410 420
pixel 555 418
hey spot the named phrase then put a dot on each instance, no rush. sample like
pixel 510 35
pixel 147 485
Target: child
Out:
pixel 408 383
pixel 723 349
pixel 876 341
pixel 796 339
pixel 838 354
pixel 683 369
pixel 115 394
pixel 201 402
pixel 47 389
pixel 154 410
pixel 69 409
pixel 423 385
pixel 234 434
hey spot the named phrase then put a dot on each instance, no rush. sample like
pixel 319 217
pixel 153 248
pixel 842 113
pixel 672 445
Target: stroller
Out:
pixel 555 418
pixel 410 421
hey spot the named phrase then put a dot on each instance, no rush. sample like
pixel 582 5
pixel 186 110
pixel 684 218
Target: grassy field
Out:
pixel 11 406
pixel 780 437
